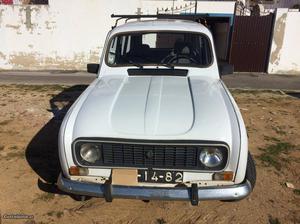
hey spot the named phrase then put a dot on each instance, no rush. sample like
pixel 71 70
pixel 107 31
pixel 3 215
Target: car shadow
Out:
pixel 42 151
pixel 294 94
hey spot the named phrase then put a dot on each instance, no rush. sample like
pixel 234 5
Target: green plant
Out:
pixel 297 191
pixel 18 154
pixel 279 130
pixel 5 122
pixel 58 214
pixel 273 220
pixel 44 197
pixel 271 154
pixel 160 221
pixel 271 139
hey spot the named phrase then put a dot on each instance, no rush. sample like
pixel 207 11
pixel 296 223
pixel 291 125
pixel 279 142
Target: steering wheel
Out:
pixel 177 57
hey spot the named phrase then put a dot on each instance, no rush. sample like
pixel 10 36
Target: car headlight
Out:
pixel 90 152
pixel 211 157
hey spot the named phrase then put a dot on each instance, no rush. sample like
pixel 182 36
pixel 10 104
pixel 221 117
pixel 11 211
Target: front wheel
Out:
pixel 251 171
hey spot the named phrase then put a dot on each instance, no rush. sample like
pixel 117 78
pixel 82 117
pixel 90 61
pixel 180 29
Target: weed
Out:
pixel 51 213
pixel 30 222
pixel 271 154
pixel 160 221
pixel 279 130
pixel 5 122
pixel 273 220
pixel 14 147
pixel 58 214
pixel 10 132
pixel 13 155
pixel 297 191
pixel 271 139
pixel 44 197
pixel 1 147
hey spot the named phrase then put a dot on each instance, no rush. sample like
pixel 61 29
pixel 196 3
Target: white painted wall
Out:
pixel 219 7
pixel 280 4
pixel 285 49
pixel 67 34
pixel 64 35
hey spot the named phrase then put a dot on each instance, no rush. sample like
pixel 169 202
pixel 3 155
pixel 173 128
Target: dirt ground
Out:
pixel 30 117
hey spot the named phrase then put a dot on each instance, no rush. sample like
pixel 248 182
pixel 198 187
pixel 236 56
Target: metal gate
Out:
pixel 250 44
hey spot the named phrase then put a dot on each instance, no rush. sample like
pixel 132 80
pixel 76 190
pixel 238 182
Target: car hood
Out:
pixel 147 107
pixel 153 106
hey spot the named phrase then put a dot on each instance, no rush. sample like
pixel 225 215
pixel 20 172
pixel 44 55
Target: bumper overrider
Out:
pixel 193 193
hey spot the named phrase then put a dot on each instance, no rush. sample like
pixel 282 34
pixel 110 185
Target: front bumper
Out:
pixel 194 194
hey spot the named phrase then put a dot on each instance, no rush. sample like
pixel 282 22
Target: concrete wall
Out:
pixel 67 34
pixel 64 35
pixel 285 49
pixel 280 4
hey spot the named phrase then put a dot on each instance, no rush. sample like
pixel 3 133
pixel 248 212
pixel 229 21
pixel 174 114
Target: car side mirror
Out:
pixel 93 68
pixel 226 69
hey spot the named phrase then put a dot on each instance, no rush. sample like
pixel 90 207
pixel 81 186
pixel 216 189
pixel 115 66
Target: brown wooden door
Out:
pixel 250 44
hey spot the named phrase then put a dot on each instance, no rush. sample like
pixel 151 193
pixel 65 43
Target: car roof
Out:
pixel 162 25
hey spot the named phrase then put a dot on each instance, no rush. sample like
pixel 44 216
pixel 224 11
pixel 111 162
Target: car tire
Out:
pixel 251 171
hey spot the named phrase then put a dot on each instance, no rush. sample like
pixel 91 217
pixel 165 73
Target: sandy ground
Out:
pixel 29 121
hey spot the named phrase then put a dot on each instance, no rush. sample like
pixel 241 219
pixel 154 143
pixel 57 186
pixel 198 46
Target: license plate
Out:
pixel 160 176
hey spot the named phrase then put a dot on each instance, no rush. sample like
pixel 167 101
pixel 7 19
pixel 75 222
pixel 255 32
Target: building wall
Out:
pixel 216 7
pixel 273 4
pixel 63 35
pixel 285 48
pixel 67 34
pixel 280 4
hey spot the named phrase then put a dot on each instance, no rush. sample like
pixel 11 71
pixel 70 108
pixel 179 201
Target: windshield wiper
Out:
pixel 140 66
pixel 135 64
pixel 171 66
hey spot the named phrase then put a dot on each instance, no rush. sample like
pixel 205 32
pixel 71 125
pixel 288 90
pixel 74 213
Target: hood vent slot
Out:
pixel 157 72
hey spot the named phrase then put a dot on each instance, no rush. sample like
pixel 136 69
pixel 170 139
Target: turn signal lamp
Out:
pixel 78 171
pixel 227 176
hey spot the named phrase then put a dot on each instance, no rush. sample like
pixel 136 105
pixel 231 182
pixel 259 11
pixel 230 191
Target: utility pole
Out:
pixel 196 6
pixel 173 7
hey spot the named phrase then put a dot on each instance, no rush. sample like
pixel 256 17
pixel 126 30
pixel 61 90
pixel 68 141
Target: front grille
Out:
pixel 184 157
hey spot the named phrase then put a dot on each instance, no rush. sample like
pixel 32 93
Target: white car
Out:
pixel 158 122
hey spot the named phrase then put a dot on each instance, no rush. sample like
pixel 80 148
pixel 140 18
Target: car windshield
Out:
pixel 159 48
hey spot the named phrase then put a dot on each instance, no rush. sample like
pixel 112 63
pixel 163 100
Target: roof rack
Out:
pixel 192 17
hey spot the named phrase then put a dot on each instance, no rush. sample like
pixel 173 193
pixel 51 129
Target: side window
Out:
pixel 125 44
pixel 119 47
pixel 128 44
pixel 112 51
